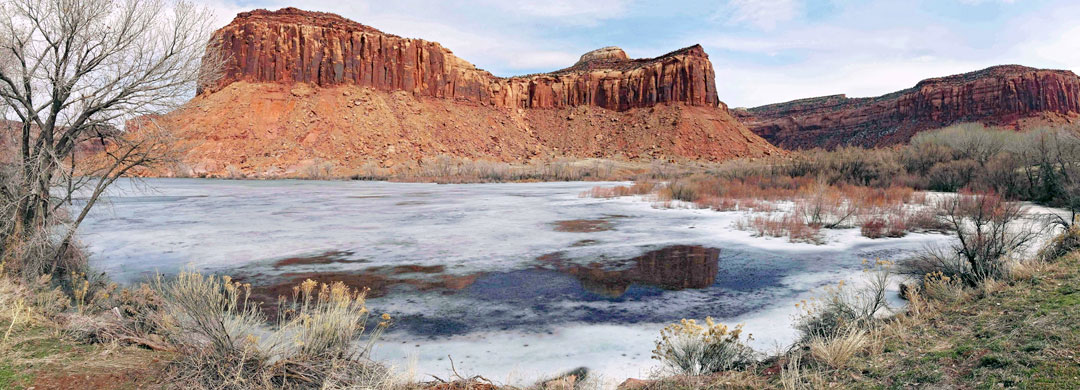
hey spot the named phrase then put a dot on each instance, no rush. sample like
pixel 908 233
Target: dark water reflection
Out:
pixel 606 290
pixel 672 268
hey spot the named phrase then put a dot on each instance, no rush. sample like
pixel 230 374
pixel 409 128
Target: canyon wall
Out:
pixel 1009 95
pixel 291 45
pixel 306 87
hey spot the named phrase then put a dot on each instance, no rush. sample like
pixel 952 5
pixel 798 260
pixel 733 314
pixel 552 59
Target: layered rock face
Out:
pixel 1009 95
pixel 291 45
pixel 305 86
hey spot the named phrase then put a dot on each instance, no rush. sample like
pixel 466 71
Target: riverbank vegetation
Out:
pixel 978 313
pixel 883 192
pixel 1016 330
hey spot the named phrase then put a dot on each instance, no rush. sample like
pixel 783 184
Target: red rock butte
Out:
pixel 324 49
pixel 302 85
pixel 1009 95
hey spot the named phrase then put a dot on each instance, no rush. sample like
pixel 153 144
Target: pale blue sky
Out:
pixel 764 51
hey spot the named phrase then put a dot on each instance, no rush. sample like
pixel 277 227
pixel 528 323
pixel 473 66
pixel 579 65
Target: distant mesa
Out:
pixel 1010 95
pixel 309 87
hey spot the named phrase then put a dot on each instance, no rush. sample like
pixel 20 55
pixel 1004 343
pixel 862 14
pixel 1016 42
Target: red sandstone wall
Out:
pixel 291 45
pixel 999 95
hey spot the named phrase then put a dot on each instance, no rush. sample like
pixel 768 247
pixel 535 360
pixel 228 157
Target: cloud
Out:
pixel 977 2
pixel 763 14
pixel 569 11
pixel 544 60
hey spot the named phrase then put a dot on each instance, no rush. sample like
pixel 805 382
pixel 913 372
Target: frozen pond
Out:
pixel 514 281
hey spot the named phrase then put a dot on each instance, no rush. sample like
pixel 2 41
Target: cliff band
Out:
pixel 1008 95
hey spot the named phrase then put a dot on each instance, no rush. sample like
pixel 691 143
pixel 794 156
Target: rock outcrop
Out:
pixel 306 86
pixel 291 45
pixel 1009 95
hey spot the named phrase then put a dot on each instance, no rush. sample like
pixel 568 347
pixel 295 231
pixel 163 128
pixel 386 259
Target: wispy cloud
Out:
pixel 569 11
pixel 762 14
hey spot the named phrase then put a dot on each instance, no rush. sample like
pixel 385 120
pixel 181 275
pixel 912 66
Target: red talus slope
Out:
pixel 1009 95
pixel 303 85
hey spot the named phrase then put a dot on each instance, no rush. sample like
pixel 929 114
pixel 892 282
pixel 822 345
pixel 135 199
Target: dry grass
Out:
pixel 638 188
pixel 837 350
pixel 784 225
pixel 796 376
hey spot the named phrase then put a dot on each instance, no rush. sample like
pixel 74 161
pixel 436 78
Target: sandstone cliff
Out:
pixel 324 49
pixel 302 86
pixel 1008 95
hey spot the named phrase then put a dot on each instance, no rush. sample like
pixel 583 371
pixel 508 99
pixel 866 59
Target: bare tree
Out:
pixel 987 229
pixel 72 74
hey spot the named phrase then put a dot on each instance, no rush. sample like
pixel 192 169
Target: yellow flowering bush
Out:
pixel 693 348
pixel 224 336
pixel 326 319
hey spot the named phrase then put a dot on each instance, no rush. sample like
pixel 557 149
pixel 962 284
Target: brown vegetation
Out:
pixel 880 191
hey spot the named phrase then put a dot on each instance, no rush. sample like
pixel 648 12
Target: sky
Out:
pixel 763 51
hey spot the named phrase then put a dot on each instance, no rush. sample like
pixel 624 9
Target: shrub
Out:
pixel 951 176
pixel 844 306
pixel 222 336
pixel 940 287
pixel 972 141
pixel 918 158
pixel 641 187
pixel 986 229
pixel 873 227
pixel 317 169
pixel 789 224
pixel 683 190
pixel 690 348
pixel 210 314
pixel 1062 244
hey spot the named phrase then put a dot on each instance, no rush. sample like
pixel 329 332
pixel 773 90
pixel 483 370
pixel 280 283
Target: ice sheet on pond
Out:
pixel 480 270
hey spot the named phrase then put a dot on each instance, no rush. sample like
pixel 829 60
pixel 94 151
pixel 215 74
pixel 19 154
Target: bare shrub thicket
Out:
pixel 814 204
pixel 449 169
pixel 988 230
pixel 641 187
pixel 317 169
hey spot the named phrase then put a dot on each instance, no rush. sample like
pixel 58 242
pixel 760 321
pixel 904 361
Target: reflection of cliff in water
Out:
pixel 672 268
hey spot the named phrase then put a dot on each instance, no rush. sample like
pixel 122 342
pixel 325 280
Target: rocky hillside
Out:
pixel 304 86
pixel 1009 95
